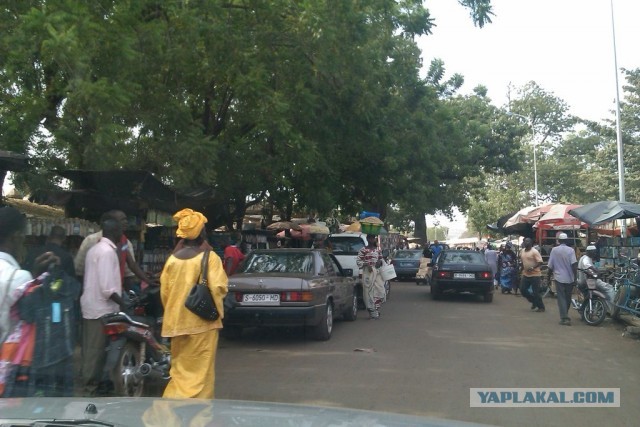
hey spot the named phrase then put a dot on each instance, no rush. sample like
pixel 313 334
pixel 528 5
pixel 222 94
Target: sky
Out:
pixel 565 46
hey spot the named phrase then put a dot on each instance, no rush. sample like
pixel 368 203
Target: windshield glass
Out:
pixel 408 255
pixel 346 245
pixel 466 257
pixel 281 262
pixel 197 184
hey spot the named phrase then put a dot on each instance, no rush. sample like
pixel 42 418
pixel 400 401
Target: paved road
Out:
pixel 422 357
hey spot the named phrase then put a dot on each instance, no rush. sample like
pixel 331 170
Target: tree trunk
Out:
pixel 3 176
pixel 420 227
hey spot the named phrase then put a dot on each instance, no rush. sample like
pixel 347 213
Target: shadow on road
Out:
pixel 458 298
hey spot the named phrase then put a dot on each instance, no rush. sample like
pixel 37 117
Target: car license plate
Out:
pixel 261 298
pixel 464 276
pixel 406 264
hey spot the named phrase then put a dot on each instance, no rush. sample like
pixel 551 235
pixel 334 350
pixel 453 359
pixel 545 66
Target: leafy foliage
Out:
pixel 305 106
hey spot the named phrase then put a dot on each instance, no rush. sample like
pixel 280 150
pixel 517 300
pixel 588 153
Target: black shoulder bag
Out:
pixel 199 300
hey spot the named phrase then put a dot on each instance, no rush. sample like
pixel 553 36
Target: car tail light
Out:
pixel 296 296
pixel 114 329
pixel 484 275
pixel 443 274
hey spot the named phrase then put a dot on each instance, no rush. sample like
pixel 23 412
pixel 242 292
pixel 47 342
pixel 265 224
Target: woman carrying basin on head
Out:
pixel 194 340
pixel 373 292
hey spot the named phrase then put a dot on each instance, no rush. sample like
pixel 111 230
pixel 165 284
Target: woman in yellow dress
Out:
pixel 194 340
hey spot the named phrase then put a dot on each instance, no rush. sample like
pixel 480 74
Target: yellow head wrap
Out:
pixel 190 223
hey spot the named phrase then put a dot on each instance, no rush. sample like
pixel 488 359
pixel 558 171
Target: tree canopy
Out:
pixel 577 160
pixel 308 105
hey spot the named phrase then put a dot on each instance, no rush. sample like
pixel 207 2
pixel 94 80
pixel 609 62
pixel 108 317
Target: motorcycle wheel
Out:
pixel 595 314
pixel 123 376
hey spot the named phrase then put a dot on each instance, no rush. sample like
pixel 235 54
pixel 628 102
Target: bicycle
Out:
pixel 626 283
pixel 627 299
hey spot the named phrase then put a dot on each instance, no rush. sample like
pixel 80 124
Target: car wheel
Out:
pixel 352 311
pixel 488 297
pixel 322 331
pixel 435 292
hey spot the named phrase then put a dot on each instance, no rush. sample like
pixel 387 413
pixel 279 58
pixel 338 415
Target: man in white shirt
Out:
pixel 129 267
pixel 586 263
pixel 102 295
pixel 563 264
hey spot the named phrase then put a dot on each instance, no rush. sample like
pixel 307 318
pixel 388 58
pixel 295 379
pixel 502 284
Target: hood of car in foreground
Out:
pixel 157 412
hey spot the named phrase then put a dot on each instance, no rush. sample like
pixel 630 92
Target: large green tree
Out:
pixel 308 104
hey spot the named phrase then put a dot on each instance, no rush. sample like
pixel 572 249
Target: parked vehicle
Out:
pixel 345 247
pixel 136 350
pixel 594 305
pixel 407 262
pixel 457 271
pixel 290 287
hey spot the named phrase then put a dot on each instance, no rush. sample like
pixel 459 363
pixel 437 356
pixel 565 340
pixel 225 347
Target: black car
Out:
pixel 461 271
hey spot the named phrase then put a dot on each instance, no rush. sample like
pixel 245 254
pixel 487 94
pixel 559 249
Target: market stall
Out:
pixel 41 218
pixel 615 225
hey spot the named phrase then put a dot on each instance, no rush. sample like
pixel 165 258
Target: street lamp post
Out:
pixel 535 162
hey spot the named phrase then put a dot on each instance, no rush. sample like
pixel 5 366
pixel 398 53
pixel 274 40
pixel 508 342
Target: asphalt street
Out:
pixel 423 356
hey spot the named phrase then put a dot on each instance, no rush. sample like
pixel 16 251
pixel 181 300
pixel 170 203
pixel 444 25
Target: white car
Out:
pixel 345 247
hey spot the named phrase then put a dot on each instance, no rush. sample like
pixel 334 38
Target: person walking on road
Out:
pixel 507 268
pixel 491 256
pixel 194 340
pixel 369 260
pixel 563 265
pixel 531 275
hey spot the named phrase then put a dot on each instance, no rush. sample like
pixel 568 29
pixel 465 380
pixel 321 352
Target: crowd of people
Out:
pixel 522 272
pixel 43 302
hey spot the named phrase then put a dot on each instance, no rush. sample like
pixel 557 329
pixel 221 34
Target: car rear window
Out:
pixel 408 255
pixel 282 262
pixel 346 245
pixel 467 257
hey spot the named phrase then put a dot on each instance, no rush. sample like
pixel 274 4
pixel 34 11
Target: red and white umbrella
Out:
pixel 558 218
pixel 524 216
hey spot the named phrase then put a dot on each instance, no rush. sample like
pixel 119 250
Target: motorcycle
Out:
pixel 136 351
pixel 594 306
